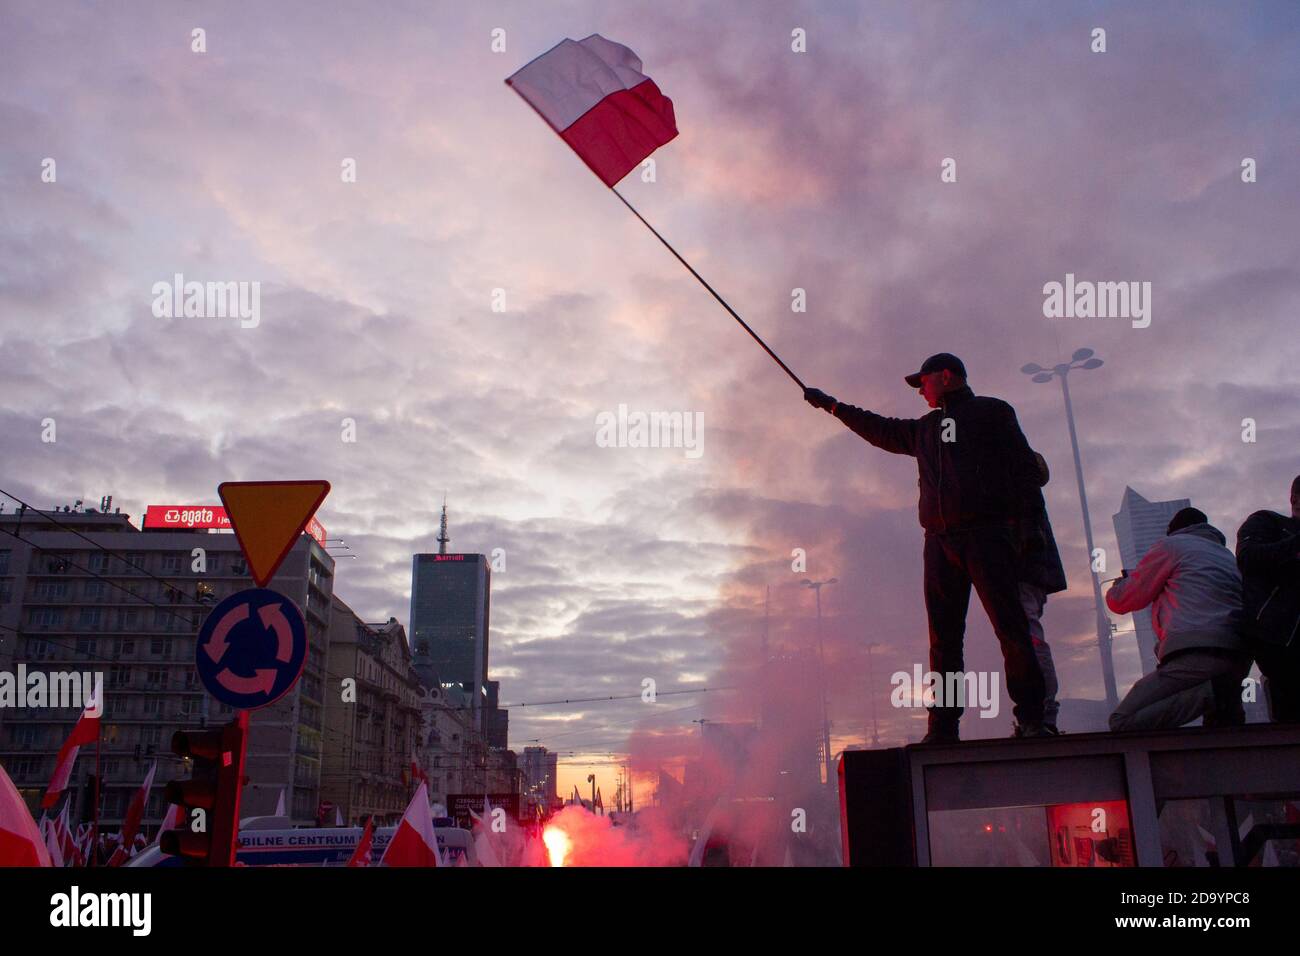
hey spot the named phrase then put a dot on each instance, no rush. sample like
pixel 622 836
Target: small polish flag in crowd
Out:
pixel 86 732
pixel 413 843
pixel 135 813
pixel 361 855
pixel 593 94
pixel 171 821
pixel 21 843
pixel 279 805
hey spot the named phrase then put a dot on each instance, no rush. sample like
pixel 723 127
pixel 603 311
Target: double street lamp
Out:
pixel 1083 359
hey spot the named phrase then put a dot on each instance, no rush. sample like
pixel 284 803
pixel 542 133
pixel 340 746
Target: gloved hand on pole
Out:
pixel 819 399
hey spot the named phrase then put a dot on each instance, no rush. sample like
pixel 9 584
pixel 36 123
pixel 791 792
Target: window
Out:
pixel 161 618
pixel 189 706
pixel 95 590
pixel 51 590
pixel 86 646
pixel 138 559
pixel 89 617
pixel 149 736
pixel 119 676
pixel 4 561
pixel 24 735
pixel 156 678
pixel 97 561
pixel 47 617
pixel 152 708
pixel 123 647
pixel 158 646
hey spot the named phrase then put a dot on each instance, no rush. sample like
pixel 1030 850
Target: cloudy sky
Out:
pixel 817 170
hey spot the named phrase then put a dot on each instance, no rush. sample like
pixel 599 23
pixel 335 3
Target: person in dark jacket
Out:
pixel 1041 574
pixel 1268 554
pixel 977 479
pixel 1190 581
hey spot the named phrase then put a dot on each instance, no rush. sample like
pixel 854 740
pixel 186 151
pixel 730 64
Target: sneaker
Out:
pixel 1035 729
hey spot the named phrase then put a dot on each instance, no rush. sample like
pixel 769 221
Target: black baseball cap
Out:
pixel 937 363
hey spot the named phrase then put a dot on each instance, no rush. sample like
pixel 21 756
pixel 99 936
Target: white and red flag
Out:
pixel 85 732
pixel 413 843
pixel 171 820
pixel 134 814
pixel 21 843
pixel 417 773
pixel 361 855
pixel 68 848
pixel 593 94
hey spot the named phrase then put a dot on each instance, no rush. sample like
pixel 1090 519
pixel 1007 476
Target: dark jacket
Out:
pixel 1268 554
pixel 986 476
pixel 1040 561
pixel 1191 583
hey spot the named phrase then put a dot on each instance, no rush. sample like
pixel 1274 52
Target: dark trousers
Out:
pixel 986 558
pixel 1281 669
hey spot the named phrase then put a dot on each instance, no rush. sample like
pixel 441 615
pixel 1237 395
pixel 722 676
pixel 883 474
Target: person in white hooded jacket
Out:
pixel 1190 580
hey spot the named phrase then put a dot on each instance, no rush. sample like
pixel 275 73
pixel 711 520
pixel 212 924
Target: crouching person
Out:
pixel 1190 580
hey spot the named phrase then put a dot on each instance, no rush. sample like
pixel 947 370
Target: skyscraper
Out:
pixel 450 596
pixel 1138 525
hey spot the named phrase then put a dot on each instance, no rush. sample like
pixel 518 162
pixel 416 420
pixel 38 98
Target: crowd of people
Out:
pixel 1215 613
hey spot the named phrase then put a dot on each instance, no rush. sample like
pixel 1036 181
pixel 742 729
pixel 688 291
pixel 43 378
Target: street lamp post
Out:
pixel 871 681
pixel 1084 359
pixel 821 668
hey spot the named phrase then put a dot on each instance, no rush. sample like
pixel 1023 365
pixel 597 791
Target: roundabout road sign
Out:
pixel 251 648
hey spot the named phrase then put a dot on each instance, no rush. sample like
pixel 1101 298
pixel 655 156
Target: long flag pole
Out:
pixel 712 291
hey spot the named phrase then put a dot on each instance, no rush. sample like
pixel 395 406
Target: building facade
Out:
pixel 450 604
pixel 372 719
pixel 88 591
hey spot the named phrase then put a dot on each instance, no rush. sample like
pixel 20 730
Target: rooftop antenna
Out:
pixel 442 532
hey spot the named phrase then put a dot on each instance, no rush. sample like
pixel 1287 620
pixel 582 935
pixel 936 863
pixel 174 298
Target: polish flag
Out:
pixel 279 806
pixel 361 855
pixel 52 844
pixel 21 843
pixel 413 843
pixel 593 93
pixel 85 732
pixel 68 848
pixel 171 821
pixel 338 816
pixel 135 812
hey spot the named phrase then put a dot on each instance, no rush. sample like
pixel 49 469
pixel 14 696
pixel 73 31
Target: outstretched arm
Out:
pixel 1139 589
pixel 897 435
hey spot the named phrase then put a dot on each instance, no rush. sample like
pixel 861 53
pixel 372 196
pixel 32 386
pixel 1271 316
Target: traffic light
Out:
pixel 208 838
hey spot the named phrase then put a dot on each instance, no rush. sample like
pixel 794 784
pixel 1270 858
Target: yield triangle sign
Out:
pixel 267 517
